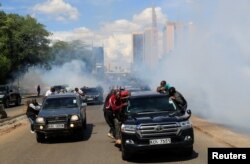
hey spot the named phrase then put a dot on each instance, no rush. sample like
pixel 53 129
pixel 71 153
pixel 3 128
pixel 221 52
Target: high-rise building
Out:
pixel 151 53
pixel 169 37
pixel 138 49
pixel 98 55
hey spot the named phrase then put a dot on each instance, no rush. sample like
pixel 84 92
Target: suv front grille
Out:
pixel 154 130
pixel 57 119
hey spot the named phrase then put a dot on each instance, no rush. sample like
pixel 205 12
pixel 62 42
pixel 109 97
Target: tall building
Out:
pixel 151 54
pixel 169 37
pixel 138 49
pixel 98 55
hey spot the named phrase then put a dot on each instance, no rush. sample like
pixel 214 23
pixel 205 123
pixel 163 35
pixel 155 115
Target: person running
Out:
pixel 32 111
pixel 108 115
pixel 117 105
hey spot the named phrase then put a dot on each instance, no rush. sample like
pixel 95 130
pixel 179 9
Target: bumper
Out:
pixel 67 129
pixel 133 143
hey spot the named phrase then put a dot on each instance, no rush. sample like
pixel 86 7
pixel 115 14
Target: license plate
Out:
pixel 90 99
pixel 160 141
pixel 55 126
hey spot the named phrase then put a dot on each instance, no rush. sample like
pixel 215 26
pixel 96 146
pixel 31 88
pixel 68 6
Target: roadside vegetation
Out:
pixel 25 43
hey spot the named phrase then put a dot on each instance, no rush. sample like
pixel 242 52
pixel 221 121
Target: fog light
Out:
pixel 187 138
pixel 72 125
pixel 129 142
pixel 41 127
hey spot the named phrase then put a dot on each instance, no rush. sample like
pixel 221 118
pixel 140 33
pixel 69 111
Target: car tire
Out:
pixel 80 134
pixel 125 154
pixel 187 152
pixel 84 125
pixel 40 138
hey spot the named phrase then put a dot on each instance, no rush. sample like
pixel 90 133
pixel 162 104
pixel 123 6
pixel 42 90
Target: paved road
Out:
pixel 19 146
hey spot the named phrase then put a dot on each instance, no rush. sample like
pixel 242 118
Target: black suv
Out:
pixel 9 94
pixel 153 121
pixel 61 114
pixel 93 95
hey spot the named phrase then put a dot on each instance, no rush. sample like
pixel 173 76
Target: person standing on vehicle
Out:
pixel 117 105
pixel 164 87
pixel 38 90
pixel 32 111
pixel 178 98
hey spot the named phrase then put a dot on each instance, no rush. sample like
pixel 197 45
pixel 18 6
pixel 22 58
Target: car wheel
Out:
pixel 125 154
pixel 40 138
pixel 188 151
pixel 80 134
pixel 84 125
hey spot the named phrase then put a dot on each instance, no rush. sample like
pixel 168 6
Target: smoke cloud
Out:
pixel 72 73
pixel 212 65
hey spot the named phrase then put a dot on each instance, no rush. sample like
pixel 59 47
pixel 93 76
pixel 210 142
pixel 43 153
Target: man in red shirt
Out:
pixel 116 105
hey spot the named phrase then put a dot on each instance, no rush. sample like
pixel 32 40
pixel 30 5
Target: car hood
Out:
pixel 57 112
pixel 155 118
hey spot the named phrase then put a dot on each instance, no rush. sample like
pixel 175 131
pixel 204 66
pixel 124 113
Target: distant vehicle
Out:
pixel 93 95
pixel 9 94
pixel 153 121
pixel 61 88
pixel 61 114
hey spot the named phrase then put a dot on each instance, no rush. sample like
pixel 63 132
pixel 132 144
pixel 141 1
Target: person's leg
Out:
pixel 110 121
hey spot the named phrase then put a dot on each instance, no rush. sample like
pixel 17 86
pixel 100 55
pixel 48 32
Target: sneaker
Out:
pixel 118 142
pixel 111 136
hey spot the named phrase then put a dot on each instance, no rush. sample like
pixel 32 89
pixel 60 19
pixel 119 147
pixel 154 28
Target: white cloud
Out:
pixel 144 19
pixel 61 10
pixel 115 36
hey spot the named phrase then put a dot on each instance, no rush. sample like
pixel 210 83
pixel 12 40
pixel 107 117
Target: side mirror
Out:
pixel 189 112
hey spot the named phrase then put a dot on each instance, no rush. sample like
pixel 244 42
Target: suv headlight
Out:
pixel 128 128
pixel 74 118
pixel 185 124
pixel 40 120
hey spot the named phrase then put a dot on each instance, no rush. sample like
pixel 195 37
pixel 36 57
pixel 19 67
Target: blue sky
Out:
pixel 102 22
pixel 59 15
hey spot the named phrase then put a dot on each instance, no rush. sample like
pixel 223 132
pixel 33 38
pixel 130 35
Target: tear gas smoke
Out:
pixel 72 73
pixel 212 66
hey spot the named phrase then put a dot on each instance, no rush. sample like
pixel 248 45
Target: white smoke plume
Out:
pixel 72 73
pixel 212 66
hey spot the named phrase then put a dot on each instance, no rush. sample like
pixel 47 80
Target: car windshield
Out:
pixel 62 102
pixel 150 104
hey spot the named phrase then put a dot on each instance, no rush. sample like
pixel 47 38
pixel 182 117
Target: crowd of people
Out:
pixel 116 101
pixel 114 105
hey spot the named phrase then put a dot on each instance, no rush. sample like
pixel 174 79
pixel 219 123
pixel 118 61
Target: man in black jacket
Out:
pixel 32 111
pixel 178 98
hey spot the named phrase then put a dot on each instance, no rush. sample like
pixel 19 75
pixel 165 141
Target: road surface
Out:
pixel 19 146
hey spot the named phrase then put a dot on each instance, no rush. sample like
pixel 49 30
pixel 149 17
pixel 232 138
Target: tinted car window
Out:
pixel 150 104
pixel 90 90
pixel 62 102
